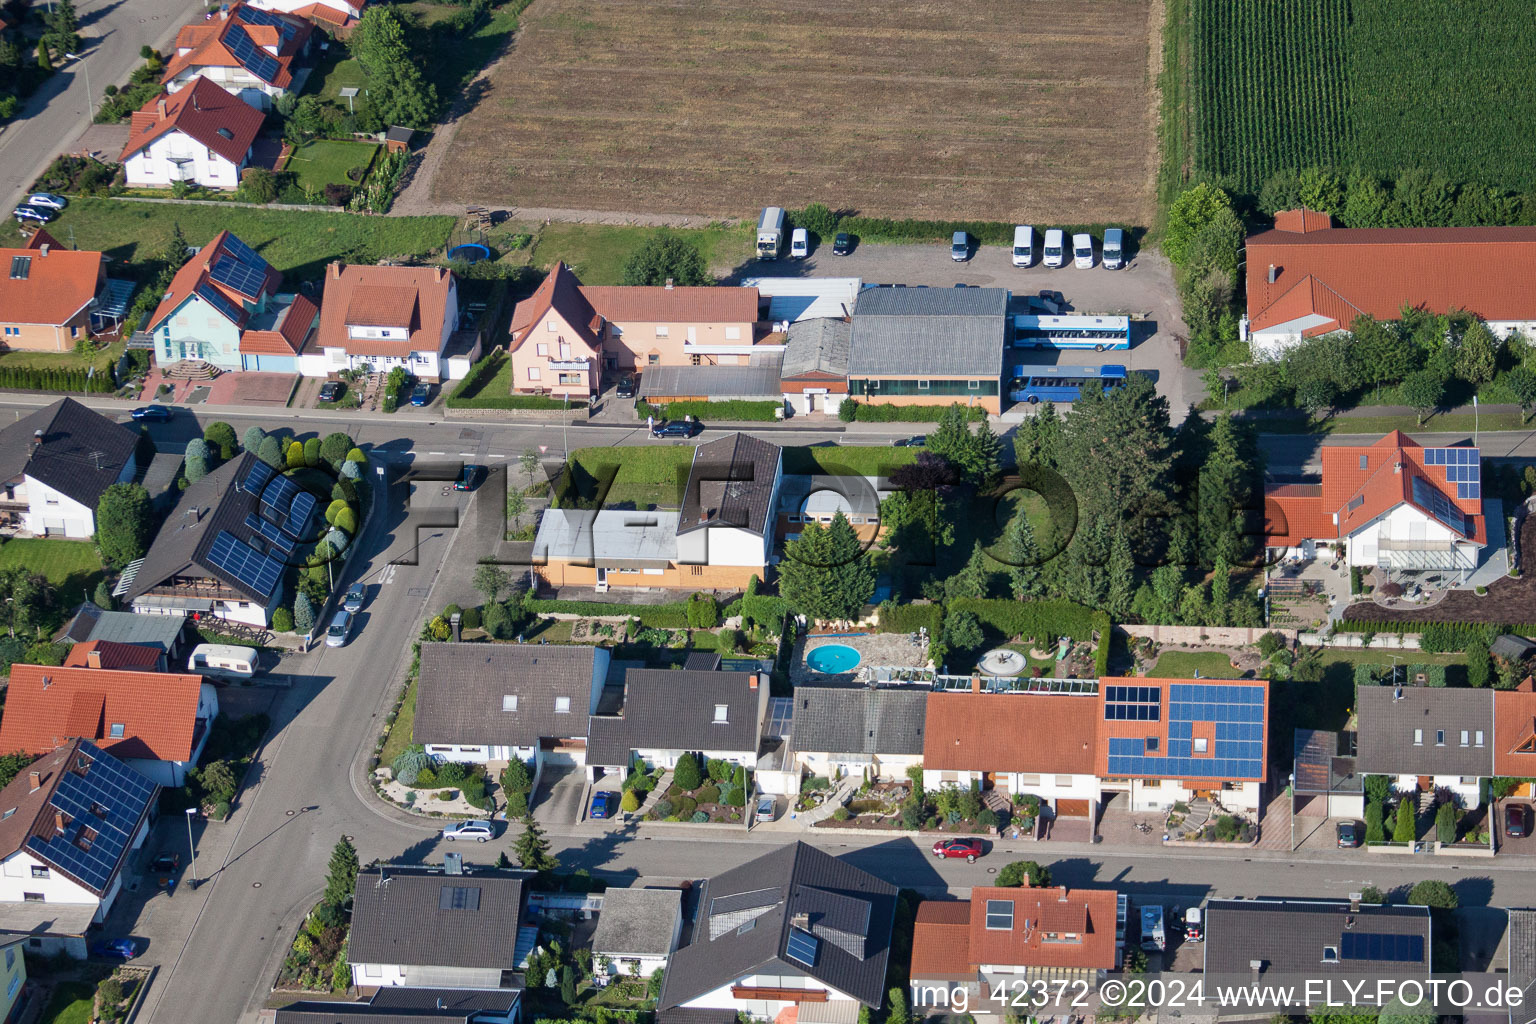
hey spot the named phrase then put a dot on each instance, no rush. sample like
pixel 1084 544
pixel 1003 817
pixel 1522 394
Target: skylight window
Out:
pixel 1000 915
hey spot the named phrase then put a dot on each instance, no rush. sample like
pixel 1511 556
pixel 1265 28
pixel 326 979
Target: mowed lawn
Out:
pixel 1184 665
pixel 906 109
pixel 323 162
pixel 598 252
pixel 70 565
pixel 103 360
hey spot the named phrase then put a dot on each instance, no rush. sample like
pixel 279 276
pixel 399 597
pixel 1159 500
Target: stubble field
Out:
pixel 985 110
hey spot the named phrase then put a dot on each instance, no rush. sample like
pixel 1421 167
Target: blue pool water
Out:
pixel 833 659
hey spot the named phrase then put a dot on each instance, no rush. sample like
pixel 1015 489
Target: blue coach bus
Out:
pixel 1099 333
pixel 1060 383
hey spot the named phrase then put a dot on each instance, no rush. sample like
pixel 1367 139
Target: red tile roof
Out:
pixel 288 334
pixel 982 732
pixel 659 304
pixel 562 292
pixel 1038 915
pixel 1339 272
pixel 197 272
pixel 340 16
pixel 941 940
pixel 426 288
pixel 114 655
pixel 58 285
pixel 1514 733
pixel 377 305
pixel 46 707
pixel 204 113
pixel 211 43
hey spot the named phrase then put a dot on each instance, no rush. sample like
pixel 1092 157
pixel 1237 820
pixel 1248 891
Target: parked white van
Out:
pixel 224 661
pixel 1023 245
pixel 1055 246
pixel 1082 252
pixel 799 244
pixel 1114 248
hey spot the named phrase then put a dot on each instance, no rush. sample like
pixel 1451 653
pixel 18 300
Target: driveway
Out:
pixel 1524 846
pixel 557 801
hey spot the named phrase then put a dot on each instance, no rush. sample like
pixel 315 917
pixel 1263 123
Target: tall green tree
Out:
pixel 63 27
pixel 532 848
pixel 1221 587
pixel 1226 491
pixel 973 579
pixel 951 436
pixel 1023 557
pixel 1037 441
pixel 665 256
pixel 125 524
pixel 1404 830
pixel 1422 391
pixel 175 254
pixel 397 90
pixel 1378 352
pixel 1477 355
pixel 1192 210
pixel 1521 382
pixel 1122 576
pixel 490 580
pixel 341 880
pixel 825 573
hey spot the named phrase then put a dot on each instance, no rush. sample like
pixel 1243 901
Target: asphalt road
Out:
pixel 114 31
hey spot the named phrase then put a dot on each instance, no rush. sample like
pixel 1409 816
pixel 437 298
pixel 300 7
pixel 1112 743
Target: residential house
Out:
pixel 201 135
pixel 494 702
pixel 223 308
pixel 225 548
pixel 819 497
pixel 56 463
pixel 155 722
pixel 1426 738
pixel 396 1004
pixel 1008 938
pixel 452 927
pixel 337 17
pixel 720 538
pixel 813 376
pixel 384 317
pixel 638 929
pixel 113 656
pixel 874 732
pixel 1514 735
pixel 67 825
pixel 161 632
pixel 47 293
pixel 1316 939
pixel 13 977
pixel 245 50
pixel 1307 277
pixel 1324 782
pixel 555 340
pixel 1399 507
pixel 669 713
pixel 928 346
pixel 794 930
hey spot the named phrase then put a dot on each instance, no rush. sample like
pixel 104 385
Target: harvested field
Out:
pixel 984 110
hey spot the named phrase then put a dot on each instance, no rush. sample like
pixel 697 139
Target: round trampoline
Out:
pixel 470 252
pixel 833 659
pixel 1003 662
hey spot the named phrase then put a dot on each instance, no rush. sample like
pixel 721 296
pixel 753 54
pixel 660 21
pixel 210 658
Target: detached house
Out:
pixel 1316 939
pixel 244 50
pixel 555 341
pixel 223 308
pixel 201 135
pixel 67 825
pixel 56 463
pixel 384 317
pixel 1425 738
pixel 47 293
pixel 669 713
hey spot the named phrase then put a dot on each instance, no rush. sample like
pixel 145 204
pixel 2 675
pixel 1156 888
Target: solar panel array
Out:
pixel 1439 506
pixel 1463 467
pixel 257 476
pixel 802 947
pixel 1394 948
pixel 1132 704
pixel 110 786
pixel 458 897
pixel 256 60
pixel 1236 716
pixel 231 273
pixel 258 572
pixel 209 294
pixel 275 537
pixel 257 16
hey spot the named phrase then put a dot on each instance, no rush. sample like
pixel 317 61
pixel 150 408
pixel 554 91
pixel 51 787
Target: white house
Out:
pixel 69 822
pixel 668 713
pixel 637 930
pixel 384 317
pixel 201 134
pixel 337 16
pixel 1426 738
pixel 727 518
pixel 244 50
pixel 55 464
pixel 874 731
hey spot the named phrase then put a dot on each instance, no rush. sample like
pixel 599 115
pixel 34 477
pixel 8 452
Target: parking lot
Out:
pixel 1144 288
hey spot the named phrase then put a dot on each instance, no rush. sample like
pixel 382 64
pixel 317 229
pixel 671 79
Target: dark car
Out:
pixel 1517 821
pixel 468 479
pixel 626 387
pixel 676 428
pixel 421 394
pixel 911 442
pixel 330 390
pixel 36 214
pixel 1349 835
pixel 970 849
pixel 163 869
pixel 152 413
pixel 842 245
pixel 604 803
pixel 116 949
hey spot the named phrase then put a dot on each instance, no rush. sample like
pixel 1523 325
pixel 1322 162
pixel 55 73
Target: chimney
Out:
pixel 1256 967
pixel 752 681
pixel 43 248
pixel 37 782
pixel 1354 902
pixel 453 621
pixel 453 863
pixel 1063 897
pixel 336 271
pixel 93 658
pixel 58 820
pixel 975 683
pixel 37 440
pixel 160 107
pixel 1274 272
pixel 1397 467
pixel 669 284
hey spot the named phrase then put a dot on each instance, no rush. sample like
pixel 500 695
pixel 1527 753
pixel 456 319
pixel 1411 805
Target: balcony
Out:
pixel 570 364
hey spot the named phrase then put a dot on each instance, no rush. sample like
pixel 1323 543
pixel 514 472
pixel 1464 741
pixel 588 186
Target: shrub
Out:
pixel 517 805
pixel 659 616
pixel 282 620
pixel 1374 832
pixel 471 618
pixel 451 773
pixel 719 769
pixel 909 618
pixel 221 810
pixel 408 764
pixel 663 808
pixel 427 778
pixel 987 818
pixel 1269 643
pixel 1445 823
pixel 1035 619
pixel 1404 829
pixel 734 796
pixel 699 817
pixel 702 612
pixel 1021 872
pixel 1433 893
pixel 685 806
pixel 709 795
pixel 629 802
pixel 686 774
pixel 841 814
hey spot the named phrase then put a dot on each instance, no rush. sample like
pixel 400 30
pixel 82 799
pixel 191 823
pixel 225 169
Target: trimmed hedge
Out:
pixel 879 229
pixel 908 618
pixel 1440 637
pixel 662 616
pixel 863 412
pixel 732 409
pixel 37 378
pixel 1036 619
pixel 1104 627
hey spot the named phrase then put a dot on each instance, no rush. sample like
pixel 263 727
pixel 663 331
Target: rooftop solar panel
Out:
pixel 257 16
pixel 257 476
pixel 302 507
pixel 1391 948
pixel 802 947
pixel 108 800
pixel 256 60
pixel 277 499
pixel 238 249
pixel 232 273
pixel 274 536
pixel 258 572
pixel 211 296
pixel 1439 506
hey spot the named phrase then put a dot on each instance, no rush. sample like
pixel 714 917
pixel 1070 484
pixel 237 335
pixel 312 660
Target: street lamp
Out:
pixel 90 97
pixel 191 813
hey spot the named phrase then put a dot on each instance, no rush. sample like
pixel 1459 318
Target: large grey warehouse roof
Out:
pixel 946 332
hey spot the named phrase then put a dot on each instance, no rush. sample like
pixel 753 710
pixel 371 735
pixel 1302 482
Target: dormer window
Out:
pixel 562 705
pixel 720 712
pixel 226 133
pixel 1330 954
pixel 509 702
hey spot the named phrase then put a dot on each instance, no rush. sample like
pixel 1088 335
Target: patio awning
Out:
pixel 1421 560
pixel 112 303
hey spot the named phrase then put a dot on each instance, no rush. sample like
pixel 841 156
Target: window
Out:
pixel 570 378
pixel 1202 745
pixel 1063 780
pixel 1331 953
pixel 922 385
pixel 1029 780
pixel 373 970
pixel 541 348
pixel 662 330
pixel 973 385
pixel 533 373
pixel 10 990
pixel 1479 738
pixel 565 350
pixel 509 702
pixel 551 327
pixel 733 334
pixel 33 897
pixel 562 705
pixel 653 359
pixel 1418 737
pixel 1464 737
pixel 1439 737
pixel 721 711
pixel 39 871
pixel 1363 459
pixel 1000 915
pixel 696 570
pixel 1356 502
pixel 117 731
pixel 10 957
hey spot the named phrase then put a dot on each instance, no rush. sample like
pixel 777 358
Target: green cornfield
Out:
pixel 1380 84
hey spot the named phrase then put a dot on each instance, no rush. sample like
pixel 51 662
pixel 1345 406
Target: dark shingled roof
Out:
pixel 404 920
pixel 836 720
pixel 467 1000
pixel 319 1011
pixel 82 454
pixel 731 484
pixel 461 689
pixel 1386 746
pixel 848 916
pixel 674 709
pixel 1290 936
pixel 162 632
pixel 1522 947
pixel 638 922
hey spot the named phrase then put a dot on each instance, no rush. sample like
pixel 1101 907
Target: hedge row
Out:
pixel 730 409
pixel 1035 619
pixel 1440 637
pixel 909 618
pixel 477 377
pixel 523 402
pixel 662 616
pixel 877 229
pixel 863 412
pixel 37 378
pixel 1103 627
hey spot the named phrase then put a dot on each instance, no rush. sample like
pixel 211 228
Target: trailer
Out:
pixel 1153 938
pixel 770 233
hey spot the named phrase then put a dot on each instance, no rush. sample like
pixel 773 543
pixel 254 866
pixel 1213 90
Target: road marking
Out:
pixel 496 456
pixel 437 453
pixel 466 455
pixel 388 576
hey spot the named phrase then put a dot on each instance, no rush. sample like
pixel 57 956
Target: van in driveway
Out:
pixel 1114 249
pixel 960 247
pixel 1023 245
pixel 1055 248
pixel 1082 251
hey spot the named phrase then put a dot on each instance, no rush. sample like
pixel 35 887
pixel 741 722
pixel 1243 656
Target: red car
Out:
pixel 970 849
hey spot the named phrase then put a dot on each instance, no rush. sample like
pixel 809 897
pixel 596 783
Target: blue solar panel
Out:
pixel 299 512
pixel 1132 703
pixel 258 572
pixel 244 279
pixel 256 60
pixel 1390 948
pixel 1439 506
pixel 802 947
pixel 108 800
pixel 277 499
pixel 257 16
pixel 257 476
pixel 275 537
pixel 210 295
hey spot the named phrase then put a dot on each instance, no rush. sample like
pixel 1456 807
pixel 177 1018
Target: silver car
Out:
pixel 341 628
pixel 47 200
pixel 479 831
pixel 766 808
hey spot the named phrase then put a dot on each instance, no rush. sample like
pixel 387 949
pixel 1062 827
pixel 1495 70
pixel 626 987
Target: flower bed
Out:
pixel 719 798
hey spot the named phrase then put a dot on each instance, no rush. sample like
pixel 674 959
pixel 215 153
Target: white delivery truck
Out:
pixel 1023 245
pixel 770 233
pixel 1114 248
pixel 1082 251
pixel 799 244
pixel 1055 245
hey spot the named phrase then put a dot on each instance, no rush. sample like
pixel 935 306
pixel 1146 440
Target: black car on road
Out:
pixel 677 428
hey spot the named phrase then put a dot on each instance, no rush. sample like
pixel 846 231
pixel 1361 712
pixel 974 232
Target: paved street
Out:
pixel 114 31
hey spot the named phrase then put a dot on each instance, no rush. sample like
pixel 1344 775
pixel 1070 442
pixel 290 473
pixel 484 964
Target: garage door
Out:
pixel 1072 808
pixel 569 753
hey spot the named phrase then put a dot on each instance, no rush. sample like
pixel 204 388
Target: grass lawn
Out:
pixel 400 733
pixel 103 360
pixel 323 162
pixel 1184 665
pixel 70 565
pixel 295 242
pixel 72 1003
pixel 597 252
pixel 641 477
pixel 847 460
pixel 470 52
pixel 331 75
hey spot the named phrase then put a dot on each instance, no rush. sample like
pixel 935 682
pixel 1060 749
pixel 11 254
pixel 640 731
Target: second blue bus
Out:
pixel 1034 384
pixel 1099 333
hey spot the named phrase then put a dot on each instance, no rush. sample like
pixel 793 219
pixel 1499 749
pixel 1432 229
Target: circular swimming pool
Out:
pixel 833 659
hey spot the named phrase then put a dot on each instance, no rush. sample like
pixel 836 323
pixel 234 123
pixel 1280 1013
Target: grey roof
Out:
pixel 836 720
pixel 674 709
pixel 1290 936
pixel 1386 745
pixel 93 623
pixel 81 455
pixel 806 298
pixel 731 483
pixel 1512 648
pixel 1522 947
pixel 695 1015
pixel 945 332
pixel 404 921
pixel 747 915
pixel 467 1000
pixel 614 538
pixel 638 922
pixel 817 346
pixel 321 1011
pixel 1319 767
pixel 461 688
pixel 758 381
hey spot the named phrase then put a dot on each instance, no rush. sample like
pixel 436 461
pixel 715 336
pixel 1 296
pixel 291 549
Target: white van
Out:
pixel 224 661
pixel 1055 245
pixel 799 244
pixel 1114 248
pixel 1023 245
pixel 1082 252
